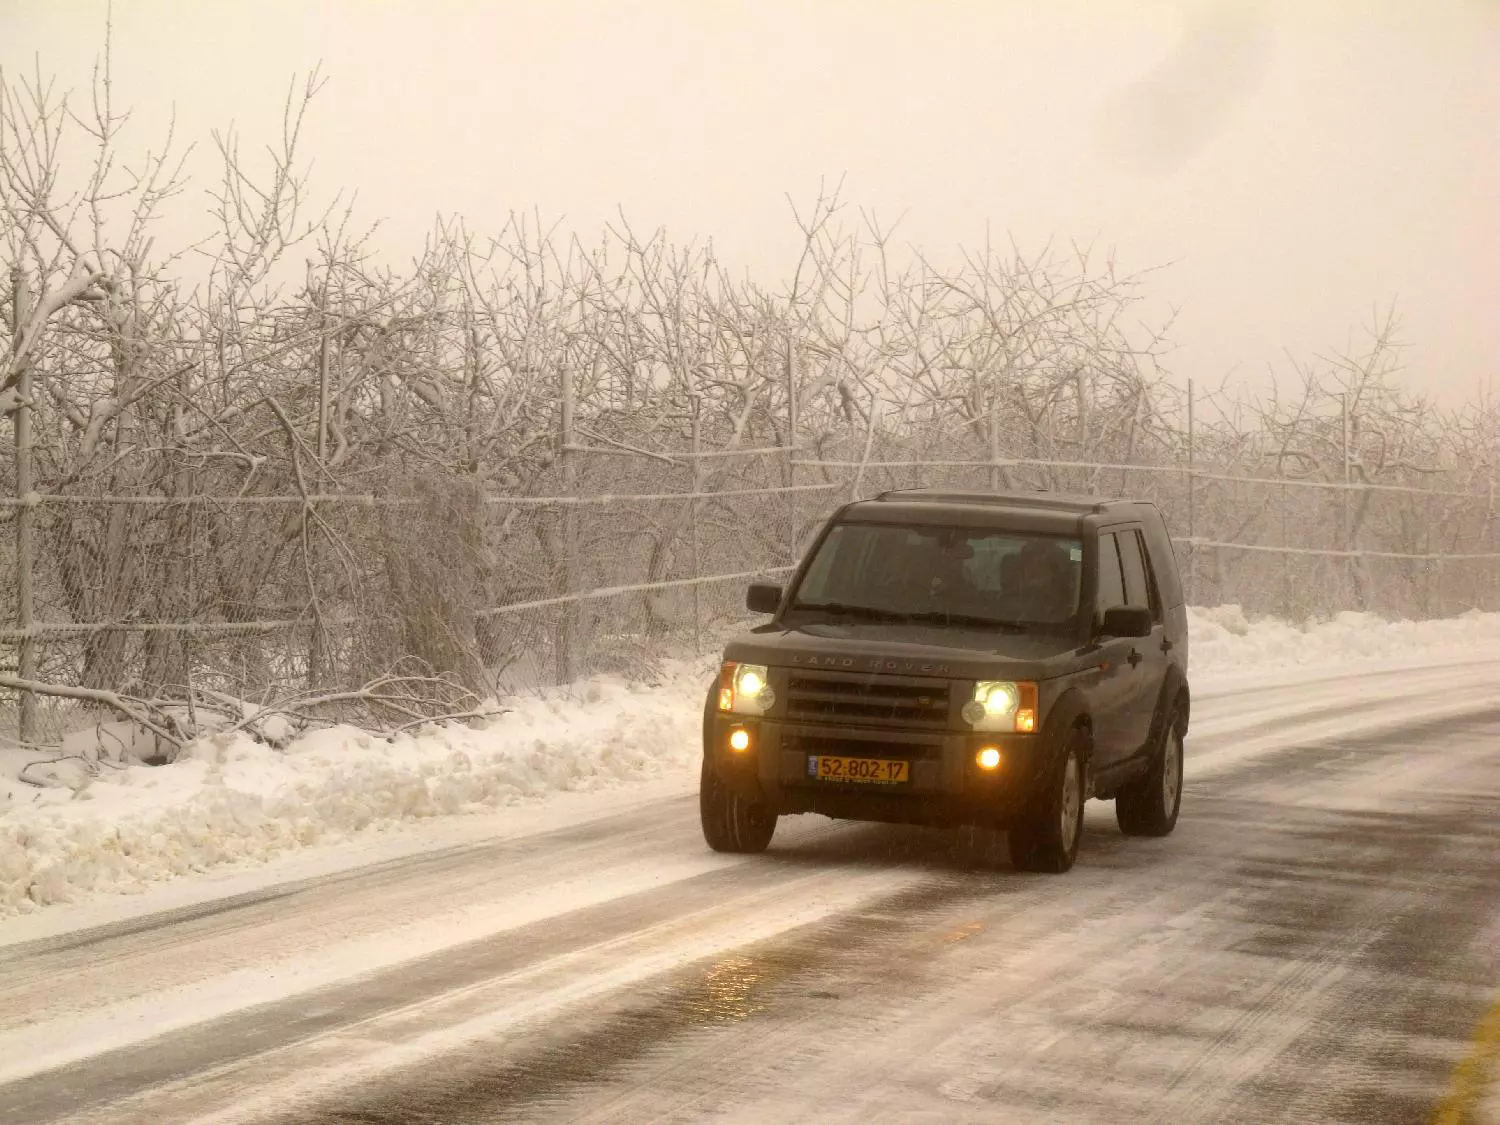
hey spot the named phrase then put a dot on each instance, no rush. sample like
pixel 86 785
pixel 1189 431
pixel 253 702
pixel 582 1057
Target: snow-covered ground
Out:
pixel 233 802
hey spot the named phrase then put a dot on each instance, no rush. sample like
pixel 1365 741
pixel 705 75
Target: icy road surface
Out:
pixel 1318 942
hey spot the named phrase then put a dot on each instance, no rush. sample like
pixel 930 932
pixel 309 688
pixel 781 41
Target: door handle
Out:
pixel 1166 645
pixel 1134 658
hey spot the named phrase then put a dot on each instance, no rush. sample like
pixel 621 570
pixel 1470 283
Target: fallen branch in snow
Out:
pixel 149 715
pixel 451 717
pixel 90 766
pixel 407 700
pixel 395 703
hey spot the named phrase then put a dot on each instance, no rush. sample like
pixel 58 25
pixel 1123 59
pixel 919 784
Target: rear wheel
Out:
pixel 1047 839
pixel 1149 805
pixel 730 822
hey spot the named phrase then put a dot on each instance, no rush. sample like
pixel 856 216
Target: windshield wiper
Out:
pixel 934 617
pixel 845 609
pixel 940 617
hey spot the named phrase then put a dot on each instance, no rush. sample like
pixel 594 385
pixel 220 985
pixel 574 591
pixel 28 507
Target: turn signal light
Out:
pixel 726 687
pixel 1026 721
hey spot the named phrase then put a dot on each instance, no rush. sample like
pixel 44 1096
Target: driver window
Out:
pixel 1111 583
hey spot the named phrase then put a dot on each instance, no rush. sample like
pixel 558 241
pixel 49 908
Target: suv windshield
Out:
pixel 956 575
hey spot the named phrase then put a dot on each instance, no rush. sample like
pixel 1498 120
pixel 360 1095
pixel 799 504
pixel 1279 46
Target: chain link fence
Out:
pixel 645 558
pixel 1276 546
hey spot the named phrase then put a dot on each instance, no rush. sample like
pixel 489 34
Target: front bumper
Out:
pixel 945 785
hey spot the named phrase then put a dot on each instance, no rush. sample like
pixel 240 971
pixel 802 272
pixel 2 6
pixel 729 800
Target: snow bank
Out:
pixel 1223 639
pixel 232 799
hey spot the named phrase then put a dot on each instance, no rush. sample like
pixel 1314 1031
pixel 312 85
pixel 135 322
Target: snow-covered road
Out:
pixel 1319 941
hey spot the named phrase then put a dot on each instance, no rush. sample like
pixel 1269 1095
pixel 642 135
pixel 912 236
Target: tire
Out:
pixel 1047 838
pixel 1149 805
pixel 730 822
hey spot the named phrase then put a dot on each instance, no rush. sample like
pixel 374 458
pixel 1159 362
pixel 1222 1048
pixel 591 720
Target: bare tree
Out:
pixel 317 483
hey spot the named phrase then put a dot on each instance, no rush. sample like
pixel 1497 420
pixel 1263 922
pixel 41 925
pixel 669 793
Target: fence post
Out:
pixel 695 401
pixel 189 648
pixel 1494 564
pixel 317 656
pixel 1192 570
pixel 323 388
pixel 1286 557
pixel 791 453
pixel 567 630
pixel 20 310
pixel 994 439
pixel 1345 544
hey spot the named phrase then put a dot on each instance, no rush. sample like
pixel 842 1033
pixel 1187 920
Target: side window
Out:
pixel 1134 565
pixel 1153 584
pixel 1111 587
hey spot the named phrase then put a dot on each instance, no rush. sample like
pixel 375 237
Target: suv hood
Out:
pixel 901 649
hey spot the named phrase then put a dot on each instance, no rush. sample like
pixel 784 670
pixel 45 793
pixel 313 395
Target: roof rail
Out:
pixel 1040 498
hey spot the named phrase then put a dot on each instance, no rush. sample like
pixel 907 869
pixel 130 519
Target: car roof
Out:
pixel 1038 510
pixel 1035 498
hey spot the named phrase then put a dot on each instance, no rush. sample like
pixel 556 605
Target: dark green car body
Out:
pixel 1110 681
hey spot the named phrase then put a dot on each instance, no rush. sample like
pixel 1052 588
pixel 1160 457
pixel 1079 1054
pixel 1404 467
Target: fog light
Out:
pixel 988 758
pixel 739 740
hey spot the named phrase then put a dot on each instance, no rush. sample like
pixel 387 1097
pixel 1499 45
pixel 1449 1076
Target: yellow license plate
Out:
pixel 872 771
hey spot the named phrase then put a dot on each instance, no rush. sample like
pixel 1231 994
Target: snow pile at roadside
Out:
pixel 1223 639
pixel 232 799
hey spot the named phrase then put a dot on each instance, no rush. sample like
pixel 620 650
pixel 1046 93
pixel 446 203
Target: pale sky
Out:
pixel 1302 162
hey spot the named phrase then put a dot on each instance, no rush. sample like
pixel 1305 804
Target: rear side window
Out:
pixel 1111 584
pixel 1137 580
pixel 1153 579
pixel 1162 561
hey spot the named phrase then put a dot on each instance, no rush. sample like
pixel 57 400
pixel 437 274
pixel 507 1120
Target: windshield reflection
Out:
pixel 1019 581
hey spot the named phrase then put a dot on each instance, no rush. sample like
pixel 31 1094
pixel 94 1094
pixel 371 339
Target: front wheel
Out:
pixel 730 822
pixel 1047 839
pixel 1149 805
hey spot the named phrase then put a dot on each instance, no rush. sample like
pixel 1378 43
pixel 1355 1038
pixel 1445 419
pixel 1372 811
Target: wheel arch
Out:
pixel 1069 714
pixel 1175 698
pixel 710 709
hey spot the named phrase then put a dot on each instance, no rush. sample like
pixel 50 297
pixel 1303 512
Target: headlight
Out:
pixel 1002 705
pixel 745 689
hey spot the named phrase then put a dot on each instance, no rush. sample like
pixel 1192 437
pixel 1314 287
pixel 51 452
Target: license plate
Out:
pixel 869 771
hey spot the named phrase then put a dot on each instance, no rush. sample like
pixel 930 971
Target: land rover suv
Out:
pixel 959 659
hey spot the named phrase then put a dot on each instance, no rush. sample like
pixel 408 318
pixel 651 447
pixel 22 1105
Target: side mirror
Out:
pixel 1126 621
pixel 763 597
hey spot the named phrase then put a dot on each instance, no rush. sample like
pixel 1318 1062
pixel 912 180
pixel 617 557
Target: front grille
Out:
pixel 912 749
pixel 866 700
